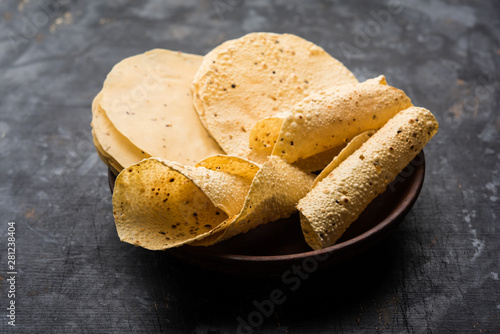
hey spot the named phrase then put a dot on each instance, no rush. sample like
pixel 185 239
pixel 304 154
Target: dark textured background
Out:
pixel 438 273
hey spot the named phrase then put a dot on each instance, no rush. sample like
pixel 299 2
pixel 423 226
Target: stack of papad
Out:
pixel 160 204
pixel 256 76
pixel 145 109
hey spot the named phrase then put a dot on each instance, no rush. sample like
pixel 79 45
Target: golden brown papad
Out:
pixel 160 204
pixel 337 200
pixel 326 120
pixel 147 99
pixel 256 76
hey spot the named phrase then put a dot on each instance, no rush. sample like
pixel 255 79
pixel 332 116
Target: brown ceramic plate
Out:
pixel 274 248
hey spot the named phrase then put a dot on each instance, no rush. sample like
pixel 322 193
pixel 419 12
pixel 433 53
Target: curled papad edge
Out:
pixel 160 204
pixel 339 197
pixel 343 112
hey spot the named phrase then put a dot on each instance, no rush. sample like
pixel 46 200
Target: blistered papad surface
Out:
pixel 274 192
pixel 339 198
pixel 349 149
pixel 147 98
pixel 327 119
pixel 160 204
pixel 256 76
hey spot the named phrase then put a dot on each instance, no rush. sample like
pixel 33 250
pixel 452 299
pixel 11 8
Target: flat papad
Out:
pixel 256 76
pixel 318 161
pixel 113 148
pixel 339 198
pixel 159 204
pixel 326 120
pixel 112 165
pixel 147 99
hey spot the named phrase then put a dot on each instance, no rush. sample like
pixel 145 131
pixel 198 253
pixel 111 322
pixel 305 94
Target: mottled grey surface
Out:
pixel 438 273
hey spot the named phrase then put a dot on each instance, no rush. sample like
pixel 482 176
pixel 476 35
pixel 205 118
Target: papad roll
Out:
pixel 337 200
pixel 326 120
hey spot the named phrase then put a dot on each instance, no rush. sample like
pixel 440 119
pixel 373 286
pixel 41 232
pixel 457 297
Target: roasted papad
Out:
pixel 339 198
pixel 326 120
pixel 160 204
pixel 280 107
pixel 256 76
pixel 145 109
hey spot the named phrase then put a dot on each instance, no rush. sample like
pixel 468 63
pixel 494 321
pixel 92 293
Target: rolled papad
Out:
pixel 160 204
pixel 326 120
pixel 339 198
pixel 275 190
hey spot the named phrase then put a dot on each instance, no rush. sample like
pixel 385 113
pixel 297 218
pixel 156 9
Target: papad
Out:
pixel 147 98
pixel 160 204
pixel 326 120
pixel 256 76
pixel 114 149
pixel 339 198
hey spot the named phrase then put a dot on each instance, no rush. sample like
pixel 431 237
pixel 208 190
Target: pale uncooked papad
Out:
pixel 281 107
pixel 113 148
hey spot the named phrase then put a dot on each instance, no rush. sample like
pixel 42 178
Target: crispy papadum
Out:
pixel 159 204
pixel 147 99
pixel 339 198
pixel 113 148
pixel 256 76
pixel 280 106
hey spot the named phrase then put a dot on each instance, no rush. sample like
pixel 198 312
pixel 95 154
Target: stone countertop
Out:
pixel 437 273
